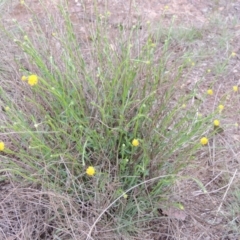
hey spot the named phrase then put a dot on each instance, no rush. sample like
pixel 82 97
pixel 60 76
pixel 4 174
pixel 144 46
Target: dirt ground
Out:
pixel 206 216
pixel 190 13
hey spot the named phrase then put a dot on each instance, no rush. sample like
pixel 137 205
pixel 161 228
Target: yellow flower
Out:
pixel 235 88
pixel 233 54
pixel 184 105
pixel 90 171
pixel 24 78
pixel 216 123
pixel 220 108
pixel 125 196
pixel 204 141
pixel 7 108
pixel 32 80
pixel 21 2
pixel 210 92
pixel 2 146
pixel 135 142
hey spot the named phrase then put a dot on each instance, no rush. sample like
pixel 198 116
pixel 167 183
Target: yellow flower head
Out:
pixel 24 78
pixel 32 80
pixel 135 142
pixel 216 123
pixel 90 171
pixel 210 92
pixel 220 108
pixel 125 196
pixel 204 141
pixel 235 88
pixel 7 108
pixel 233 54
pixel 2 146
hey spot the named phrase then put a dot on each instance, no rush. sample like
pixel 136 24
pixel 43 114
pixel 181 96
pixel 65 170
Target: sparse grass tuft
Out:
pixel 105 122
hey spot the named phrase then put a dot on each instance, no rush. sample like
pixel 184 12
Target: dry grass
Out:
pixel 28 213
